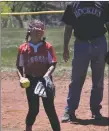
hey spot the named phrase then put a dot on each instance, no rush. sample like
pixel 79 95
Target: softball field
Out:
pixel 14 106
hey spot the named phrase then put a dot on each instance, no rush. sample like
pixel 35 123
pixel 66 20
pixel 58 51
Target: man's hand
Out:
pixel 66 54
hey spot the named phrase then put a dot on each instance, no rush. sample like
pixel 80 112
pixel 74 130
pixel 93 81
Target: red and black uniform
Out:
pixel 36 60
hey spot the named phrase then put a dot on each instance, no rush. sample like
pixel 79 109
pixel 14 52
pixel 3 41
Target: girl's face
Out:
pixel 36 34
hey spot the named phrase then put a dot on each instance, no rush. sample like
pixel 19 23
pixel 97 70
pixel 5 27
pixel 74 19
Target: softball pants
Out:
pixel 33 103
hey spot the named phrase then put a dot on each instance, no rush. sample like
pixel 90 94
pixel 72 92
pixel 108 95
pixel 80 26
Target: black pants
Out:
pixel 33 103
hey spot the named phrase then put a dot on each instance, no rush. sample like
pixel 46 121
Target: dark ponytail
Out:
pixel 27 36
pixel 43 40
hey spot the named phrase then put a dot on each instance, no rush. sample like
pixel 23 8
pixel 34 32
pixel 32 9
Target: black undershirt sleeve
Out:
pixel 68 16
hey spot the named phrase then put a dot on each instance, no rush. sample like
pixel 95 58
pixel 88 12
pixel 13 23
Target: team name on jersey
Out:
pixel 87 10
pixel 34 59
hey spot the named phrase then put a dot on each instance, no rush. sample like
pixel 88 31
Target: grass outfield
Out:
pixel 12 38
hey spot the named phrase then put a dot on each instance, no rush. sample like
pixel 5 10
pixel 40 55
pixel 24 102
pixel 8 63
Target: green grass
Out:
pixel 12 38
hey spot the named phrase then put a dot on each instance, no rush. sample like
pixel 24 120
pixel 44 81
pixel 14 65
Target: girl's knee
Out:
pixel 33 111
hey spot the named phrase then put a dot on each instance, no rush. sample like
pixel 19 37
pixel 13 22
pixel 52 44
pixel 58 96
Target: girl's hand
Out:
pixel 24 82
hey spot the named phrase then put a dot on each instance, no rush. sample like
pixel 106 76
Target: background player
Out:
pixel 87 19
pixel 36 59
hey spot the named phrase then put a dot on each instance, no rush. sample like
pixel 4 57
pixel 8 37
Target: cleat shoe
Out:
pixel 97 115
pixel 68 117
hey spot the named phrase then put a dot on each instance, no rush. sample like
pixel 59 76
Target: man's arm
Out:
pixel 69 20
pixel 67 36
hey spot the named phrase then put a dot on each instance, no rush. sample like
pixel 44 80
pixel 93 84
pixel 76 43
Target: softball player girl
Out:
pixel 36 59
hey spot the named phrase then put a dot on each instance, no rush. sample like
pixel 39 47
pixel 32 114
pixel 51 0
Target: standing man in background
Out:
pixel 87 19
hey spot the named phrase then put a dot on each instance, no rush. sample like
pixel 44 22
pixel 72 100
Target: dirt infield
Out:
pixel 14 107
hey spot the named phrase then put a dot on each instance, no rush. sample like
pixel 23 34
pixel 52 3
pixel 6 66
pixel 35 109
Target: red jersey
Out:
pixel 36 59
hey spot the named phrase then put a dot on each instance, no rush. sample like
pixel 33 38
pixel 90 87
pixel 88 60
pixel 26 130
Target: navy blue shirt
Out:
pixel 87 18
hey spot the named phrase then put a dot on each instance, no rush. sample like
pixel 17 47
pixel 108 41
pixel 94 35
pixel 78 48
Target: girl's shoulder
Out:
pixel 23 47
pixel 48 45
